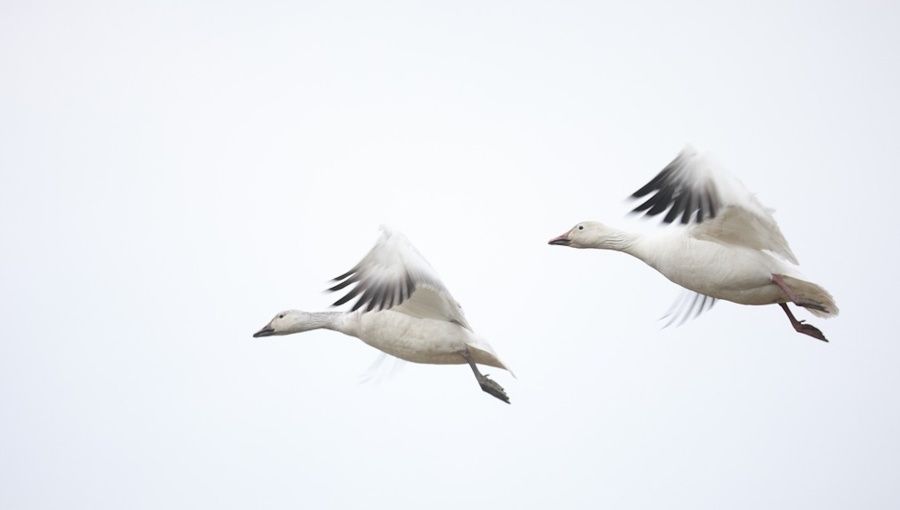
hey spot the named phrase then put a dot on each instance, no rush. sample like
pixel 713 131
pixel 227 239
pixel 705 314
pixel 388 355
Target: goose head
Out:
pixel 590 234
pixel 285 323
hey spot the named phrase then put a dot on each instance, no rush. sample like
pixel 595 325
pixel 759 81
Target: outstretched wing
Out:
pixel 688 305
pixel 694 190
pixel 393 275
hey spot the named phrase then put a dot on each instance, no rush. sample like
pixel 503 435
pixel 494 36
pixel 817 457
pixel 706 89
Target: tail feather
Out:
pixel 812 297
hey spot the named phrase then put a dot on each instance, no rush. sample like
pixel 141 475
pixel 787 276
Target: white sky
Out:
pixel 172 174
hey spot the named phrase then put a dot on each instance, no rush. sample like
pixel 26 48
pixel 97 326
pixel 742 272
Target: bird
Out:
pixel 726 245
pixel 401 308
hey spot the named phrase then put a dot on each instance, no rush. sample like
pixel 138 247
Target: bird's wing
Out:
pixel 393 275
pixel 694 190
pixel 383 368
pixel 688 305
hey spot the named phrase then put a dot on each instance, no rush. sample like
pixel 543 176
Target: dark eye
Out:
pixel 281 316
pixel 580 227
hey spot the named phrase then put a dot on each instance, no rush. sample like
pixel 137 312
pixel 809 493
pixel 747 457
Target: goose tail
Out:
pixel 813 297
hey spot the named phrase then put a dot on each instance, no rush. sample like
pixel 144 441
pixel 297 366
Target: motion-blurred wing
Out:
pixel 683 189
pixel 688 305
pixel 383 368
pixel 393 275
pixel 693 189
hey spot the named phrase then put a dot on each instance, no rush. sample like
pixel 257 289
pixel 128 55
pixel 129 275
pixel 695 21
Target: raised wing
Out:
pixel 693 189
pixel 393 275
pixel 682 188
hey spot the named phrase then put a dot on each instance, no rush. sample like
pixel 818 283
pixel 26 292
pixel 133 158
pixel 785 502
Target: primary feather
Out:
pixel 716 205
pixel 394 276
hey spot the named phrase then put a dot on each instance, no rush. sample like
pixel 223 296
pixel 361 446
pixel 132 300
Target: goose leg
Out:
pixel 487 384
pixel 802 326
pixel 799 326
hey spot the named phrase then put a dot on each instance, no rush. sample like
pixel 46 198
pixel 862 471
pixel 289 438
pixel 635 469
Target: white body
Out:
pixel 417 340
pixel 733 273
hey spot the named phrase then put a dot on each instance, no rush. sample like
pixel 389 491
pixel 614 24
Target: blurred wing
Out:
pixel 684 188
pixel 382 369
pixel 694 190
pixel 393 275
pixel 688 305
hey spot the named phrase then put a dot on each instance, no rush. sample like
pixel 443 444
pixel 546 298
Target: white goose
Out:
pixel 403 309
pixel 728 248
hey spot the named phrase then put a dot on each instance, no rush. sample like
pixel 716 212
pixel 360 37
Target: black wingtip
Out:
pixel 348 273
pixel 655 183
pixel 341 285
pixel 348 296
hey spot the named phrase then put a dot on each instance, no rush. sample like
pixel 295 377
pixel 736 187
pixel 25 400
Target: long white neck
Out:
pixel 335 321
pixel 614 239
pixel 632 243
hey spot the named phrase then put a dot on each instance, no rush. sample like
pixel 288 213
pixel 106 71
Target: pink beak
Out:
pixel 562 240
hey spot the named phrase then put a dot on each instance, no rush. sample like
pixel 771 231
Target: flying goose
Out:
pixel 402 309
pixel 728 245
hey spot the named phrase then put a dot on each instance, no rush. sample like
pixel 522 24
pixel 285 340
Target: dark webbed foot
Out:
pixel 809 329
pixel 487 384
pixel 802 326
pixel 491 387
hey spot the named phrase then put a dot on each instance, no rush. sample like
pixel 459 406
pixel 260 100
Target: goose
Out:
pixel 402 309
pixel 728 245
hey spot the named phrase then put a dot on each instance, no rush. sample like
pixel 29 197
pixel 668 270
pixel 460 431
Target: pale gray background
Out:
pixel 174 173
